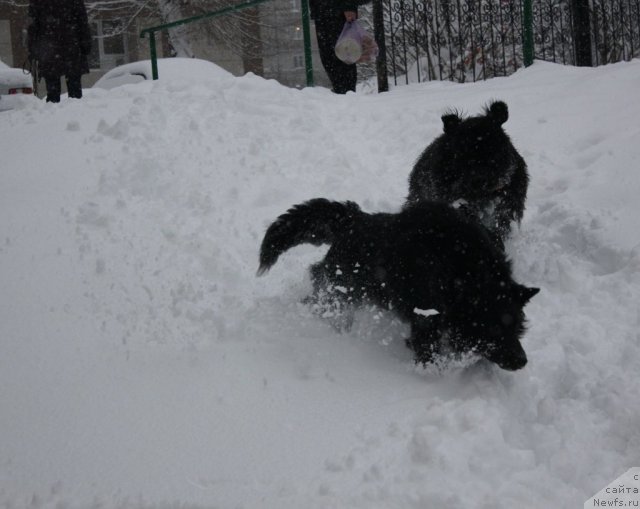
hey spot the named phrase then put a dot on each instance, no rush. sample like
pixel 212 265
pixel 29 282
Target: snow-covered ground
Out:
pixel 144 365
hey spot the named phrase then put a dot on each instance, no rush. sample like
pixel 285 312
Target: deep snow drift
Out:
pixel 143 364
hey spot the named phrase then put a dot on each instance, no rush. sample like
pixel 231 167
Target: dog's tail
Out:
pixel 314 222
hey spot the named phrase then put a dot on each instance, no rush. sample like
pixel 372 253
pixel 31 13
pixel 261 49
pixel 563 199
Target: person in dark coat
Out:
pixel 330 17
pixel 60 42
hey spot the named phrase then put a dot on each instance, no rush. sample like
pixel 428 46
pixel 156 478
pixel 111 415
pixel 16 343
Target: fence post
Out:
pixel 527 32
pixel 306 34
pixel 154 55
pixel 582 32
pixel 378 34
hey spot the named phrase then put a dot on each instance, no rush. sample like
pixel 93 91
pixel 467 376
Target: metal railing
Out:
pixel 151 31
pixel 458 40
pixel 616 30
pixel 470 40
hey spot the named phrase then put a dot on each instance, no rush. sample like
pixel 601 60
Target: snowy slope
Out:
pixel 144 365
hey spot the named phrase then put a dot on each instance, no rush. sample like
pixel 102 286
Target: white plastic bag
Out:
pixel 355 45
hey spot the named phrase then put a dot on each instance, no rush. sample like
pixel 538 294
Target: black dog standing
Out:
pixel 474 165
pixel 438 270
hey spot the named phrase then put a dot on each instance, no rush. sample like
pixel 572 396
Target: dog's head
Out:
pixel 494 327
pixel 478 159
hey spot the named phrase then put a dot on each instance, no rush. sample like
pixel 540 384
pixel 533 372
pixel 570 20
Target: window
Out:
pixel 109 47
pixel 113 38
pixel 298 61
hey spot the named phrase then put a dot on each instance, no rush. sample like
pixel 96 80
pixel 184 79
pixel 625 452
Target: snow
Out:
pixel 425 312
pixel 144 365
pixel 187 70
pixel 12 78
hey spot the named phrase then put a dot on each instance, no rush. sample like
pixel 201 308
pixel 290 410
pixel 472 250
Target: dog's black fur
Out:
pixel 474 164
pixel 427 257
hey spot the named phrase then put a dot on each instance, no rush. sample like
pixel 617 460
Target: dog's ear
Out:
pixel 525 294
pixel 450 121
pixel 498 112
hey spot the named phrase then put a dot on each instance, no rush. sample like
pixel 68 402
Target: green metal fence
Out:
pixel 151 32
pixel 399 25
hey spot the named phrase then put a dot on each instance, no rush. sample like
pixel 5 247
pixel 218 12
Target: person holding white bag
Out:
pixel 330 17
